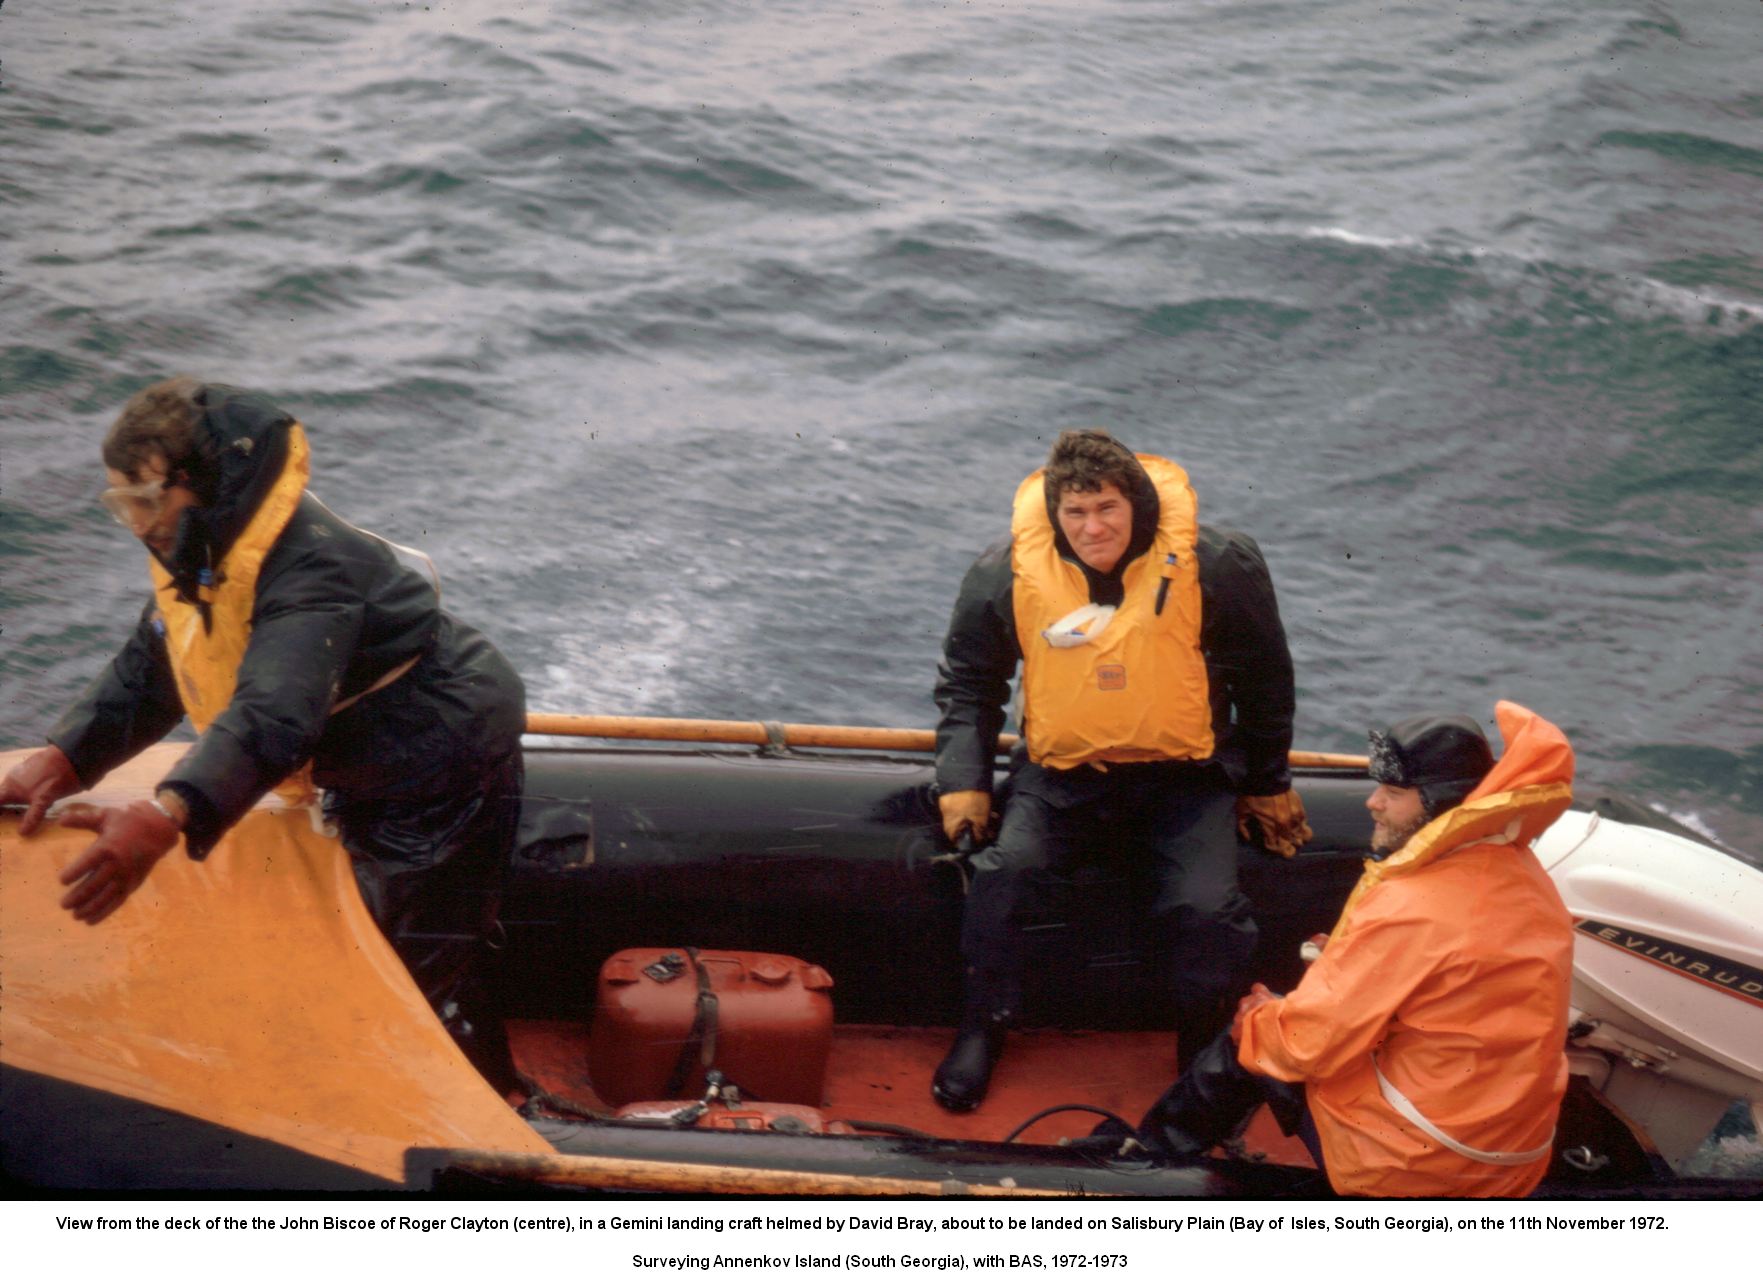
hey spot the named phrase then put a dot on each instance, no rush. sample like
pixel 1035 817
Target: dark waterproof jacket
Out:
pixel 336 609
pixel 1248 665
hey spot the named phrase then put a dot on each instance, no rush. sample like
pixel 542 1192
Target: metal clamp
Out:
pixel 1583 1158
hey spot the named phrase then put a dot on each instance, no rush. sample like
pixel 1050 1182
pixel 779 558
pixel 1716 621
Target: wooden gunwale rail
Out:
pixel 772 733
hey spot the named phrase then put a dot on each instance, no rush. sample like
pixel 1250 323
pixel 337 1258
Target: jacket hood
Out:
pixel 1536 753
pixel 244 447
pixel 1527 789
pixel 1147 511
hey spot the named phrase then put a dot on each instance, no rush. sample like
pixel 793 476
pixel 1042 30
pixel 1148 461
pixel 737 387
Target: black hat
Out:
pixel 1444 756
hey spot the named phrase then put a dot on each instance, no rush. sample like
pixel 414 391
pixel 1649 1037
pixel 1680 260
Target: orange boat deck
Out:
pixel 881 1074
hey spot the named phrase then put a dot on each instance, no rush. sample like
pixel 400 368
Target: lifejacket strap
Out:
pixel 1493 1157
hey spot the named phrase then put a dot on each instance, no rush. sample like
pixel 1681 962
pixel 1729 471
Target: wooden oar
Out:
pixel 842 737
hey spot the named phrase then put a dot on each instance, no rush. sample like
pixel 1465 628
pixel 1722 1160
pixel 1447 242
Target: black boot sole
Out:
pixel 955 1104
pixel 960 1102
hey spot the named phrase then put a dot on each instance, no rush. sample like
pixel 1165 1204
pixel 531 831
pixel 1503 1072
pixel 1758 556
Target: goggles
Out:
pixel 130 504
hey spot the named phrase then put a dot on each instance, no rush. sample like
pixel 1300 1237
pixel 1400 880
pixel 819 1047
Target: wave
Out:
pixel 1689 304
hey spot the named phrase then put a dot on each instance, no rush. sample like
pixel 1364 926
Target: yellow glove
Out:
pixel 966 811
pixel 1281 819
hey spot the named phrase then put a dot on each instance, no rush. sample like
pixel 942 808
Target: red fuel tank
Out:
pixel 664 1018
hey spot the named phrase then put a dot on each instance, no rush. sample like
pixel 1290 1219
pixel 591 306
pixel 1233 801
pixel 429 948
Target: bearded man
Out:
pixel 1423 1053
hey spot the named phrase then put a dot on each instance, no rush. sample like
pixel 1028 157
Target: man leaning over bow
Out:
pixel 291 639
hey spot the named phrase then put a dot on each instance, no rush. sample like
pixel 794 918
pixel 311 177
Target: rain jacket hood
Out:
pixel 244 443
pixel 1526 790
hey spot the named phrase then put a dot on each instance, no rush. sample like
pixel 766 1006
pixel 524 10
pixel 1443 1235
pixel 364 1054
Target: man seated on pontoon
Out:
pixel 1422 1054
pixel 1157 710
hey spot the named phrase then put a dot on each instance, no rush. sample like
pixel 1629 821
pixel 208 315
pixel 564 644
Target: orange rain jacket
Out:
pixel 1449 971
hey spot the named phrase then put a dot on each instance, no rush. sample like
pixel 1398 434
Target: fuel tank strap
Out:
pixel 703 1032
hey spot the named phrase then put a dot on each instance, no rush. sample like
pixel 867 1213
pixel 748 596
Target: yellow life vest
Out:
pixel 205 658
pixel 1137 689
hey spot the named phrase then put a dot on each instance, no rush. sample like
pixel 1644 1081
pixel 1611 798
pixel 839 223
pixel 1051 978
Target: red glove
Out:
pixel 1258 995
pixel 130 842
pixel 39 780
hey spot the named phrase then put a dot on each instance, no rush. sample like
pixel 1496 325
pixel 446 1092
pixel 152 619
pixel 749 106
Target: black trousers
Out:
pixel 1181 817
pixel 432 873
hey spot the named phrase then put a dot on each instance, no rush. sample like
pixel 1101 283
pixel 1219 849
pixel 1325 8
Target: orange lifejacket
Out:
pixel 1138 690
pixel 205 656
pixel 1430 1034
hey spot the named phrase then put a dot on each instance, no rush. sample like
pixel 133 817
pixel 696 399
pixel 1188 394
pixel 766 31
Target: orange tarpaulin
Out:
pixel 251 990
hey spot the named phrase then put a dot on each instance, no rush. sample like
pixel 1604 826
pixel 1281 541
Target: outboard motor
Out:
pixel 1667 974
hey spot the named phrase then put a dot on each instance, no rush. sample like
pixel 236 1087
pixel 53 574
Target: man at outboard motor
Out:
pixel 304 651
pixel 1423 1053
pixel 1157 703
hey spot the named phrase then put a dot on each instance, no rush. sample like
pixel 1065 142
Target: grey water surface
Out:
pixel 703 344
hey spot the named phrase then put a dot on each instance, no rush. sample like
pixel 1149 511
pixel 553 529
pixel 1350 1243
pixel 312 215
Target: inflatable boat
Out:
pixel 727 966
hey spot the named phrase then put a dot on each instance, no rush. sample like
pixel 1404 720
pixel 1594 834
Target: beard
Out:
pixel 1388 838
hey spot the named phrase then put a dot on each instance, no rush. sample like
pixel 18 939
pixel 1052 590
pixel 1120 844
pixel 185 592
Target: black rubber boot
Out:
pixel 1213 1098
pixel 1196 1026
pixel 961 1080
pixel 988 1010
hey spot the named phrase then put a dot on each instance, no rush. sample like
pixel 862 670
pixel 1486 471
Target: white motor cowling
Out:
pixel 1667 974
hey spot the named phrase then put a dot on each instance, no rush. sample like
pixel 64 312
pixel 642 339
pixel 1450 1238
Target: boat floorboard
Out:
pixel 881 1074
